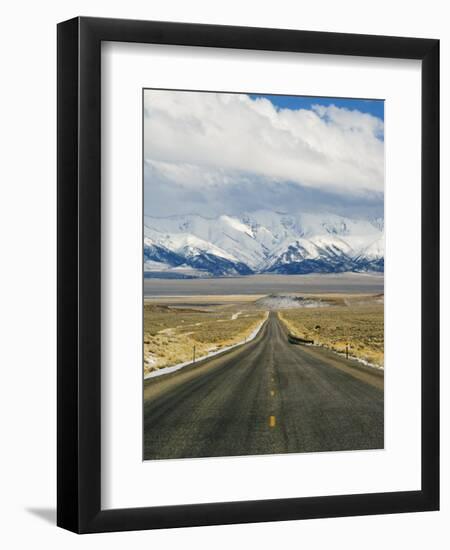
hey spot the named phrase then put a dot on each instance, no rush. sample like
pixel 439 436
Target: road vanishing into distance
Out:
pixel 265 397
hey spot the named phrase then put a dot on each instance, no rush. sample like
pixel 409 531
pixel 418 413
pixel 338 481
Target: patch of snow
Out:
pixel 332 242
pixel 353 357
pixel 151 360
pixel 359 360
pixel 374 251
pixel 238 225
pixel 287 301
pixel 167 331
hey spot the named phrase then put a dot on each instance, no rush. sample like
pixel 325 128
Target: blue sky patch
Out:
pixel 374 107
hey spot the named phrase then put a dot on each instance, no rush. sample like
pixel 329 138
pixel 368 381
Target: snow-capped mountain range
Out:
pixel 262 242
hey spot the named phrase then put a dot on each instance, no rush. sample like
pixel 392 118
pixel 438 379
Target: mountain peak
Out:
pixel 265 240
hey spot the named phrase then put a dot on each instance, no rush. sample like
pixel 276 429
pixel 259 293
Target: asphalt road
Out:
pixel 266 397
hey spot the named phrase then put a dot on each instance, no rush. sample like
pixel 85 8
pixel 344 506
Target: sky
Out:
pixel 373 107
pixel 219 153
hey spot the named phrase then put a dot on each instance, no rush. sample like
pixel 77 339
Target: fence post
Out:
pixel 193 355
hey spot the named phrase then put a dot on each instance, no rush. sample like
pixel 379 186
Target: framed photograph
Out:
pixel 248 275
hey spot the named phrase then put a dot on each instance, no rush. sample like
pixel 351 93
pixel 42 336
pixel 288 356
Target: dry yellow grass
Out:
pixel 170 333
pixel 360 323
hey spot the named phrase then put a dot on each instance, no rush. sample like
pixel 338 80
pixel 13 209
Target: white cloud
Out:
pixel 172 188
pixel 204 140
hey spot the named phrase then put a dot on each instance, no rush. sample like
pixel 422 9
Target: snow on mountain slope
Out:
pixel 374 251
pixel 188 245
pixel 231 236
pixel 181 249
pixel 266 241
pixel 371 258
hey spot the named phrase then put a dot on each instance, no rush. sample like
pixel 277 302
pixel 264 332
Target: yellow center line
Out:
pixel 272 421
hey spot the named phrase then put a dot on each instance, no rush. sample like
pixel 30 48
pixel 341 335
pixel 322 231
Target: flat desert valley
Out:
pixel 187 320
pixel 266 284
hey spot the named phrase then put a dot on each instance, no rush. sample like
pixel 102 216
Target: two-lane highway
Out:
pixel 266 397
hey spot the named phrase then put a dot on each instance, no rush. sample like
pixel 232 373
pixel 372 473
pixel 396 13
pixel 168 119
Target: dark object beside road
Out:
pixel 296 340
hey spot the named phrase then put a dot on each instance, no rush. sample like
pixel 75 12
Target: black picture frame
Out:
pixel 79 281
